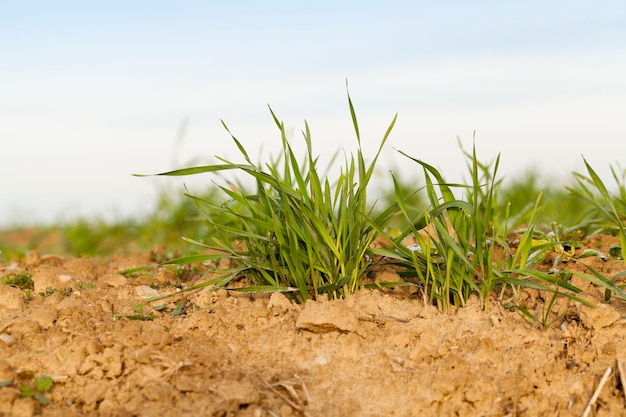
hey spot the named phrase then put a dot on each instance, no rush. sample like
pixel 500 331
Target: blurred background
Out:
pixel 91 92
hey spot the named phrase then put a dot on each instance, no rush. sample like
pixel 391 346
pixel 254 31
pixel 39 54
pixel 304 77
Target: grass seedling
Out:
pixel 298 231
pixel 139 314
pixel 66 292
pixel 85 286
pixel 439 259
pixel 608 292
pixel 453 253
pixel 138 317
pixel 180 309
pixel 545 319
pixel 23 281
pixel 607 211
pixel 462 248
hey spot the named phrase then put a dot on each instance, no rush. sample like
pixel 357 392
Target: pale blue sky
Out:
pixel 92 92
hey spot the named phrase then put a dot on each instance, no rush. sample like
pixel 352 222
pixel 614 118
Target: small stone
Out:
pixel 63 278
pixel 8 339
pixel 145 291
pixel 320 360
pixel 113 280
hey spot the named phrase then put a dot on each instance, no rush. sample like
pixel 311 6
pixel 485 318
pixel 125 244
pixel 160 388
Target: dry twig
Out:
pixel 295 401
pixel 622 376
pixel 379 318
pixel 596 394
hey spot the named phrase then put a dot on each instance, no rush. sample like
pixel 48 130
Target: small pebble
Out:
pixel 145 291
pixel 8 339
pixel 64 278
pixel 320 360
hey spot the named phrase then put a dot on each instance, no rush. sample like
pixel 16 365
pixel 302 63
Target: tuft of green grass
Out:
pixel 453 250
pixel 299 231
pixel 546 318
pixel 462 248
pixel 22 280
pixel 606 211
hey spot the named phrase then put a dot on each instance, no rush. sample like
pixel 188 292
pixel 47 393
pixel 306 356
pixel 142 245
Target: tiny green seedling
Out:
pixel 615 251
pixel 66 292
pixel 181 309
pixel 544 320
pixel 138 308
pixel 84 286
pixel 139 317
pixel 160 307
pixel 607 210
pixel 37 388
pixel 608 292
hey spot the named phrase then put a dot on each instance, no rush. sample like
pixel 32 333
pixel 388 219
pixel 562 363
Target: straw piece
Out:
pixel 596 394
pixel 622 376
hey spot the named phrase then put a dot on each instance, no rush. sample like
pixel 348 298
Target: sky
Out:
pixel 92 92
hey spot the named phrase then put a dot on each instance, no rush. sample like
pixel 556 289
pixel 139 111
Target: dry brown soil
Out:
pixel 377 353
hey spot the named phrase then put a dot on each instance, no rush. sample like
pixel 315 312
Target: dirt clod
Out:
pixel 599 316
pixel 326 317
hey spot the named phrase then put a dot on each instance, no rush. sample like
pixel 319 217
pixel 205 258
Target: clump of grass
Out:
pixel 22 280
pixel 606 211
pixel 298 231
pixel 462 248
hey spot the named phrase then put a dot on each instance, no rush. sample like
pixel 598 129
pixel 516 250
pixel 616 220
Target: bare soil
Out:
pixel 377 353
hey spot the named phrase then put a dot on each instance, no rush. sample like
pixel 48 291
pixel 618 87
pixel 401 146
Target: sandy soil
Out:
pixel 378 353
